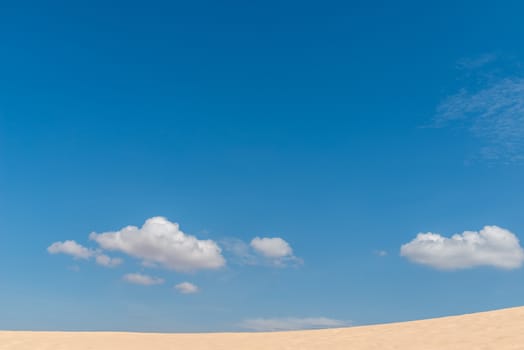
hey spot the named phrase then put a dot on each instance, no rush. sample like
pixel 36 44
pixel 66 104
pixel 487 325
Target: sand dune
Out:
pixel 501 330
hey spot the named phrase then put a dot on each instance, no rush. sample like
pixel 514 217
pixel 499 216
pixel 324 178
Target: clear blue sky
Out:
pixel 342 128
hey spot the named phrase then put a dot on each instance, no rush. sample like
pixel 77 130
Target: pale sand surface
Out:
pixel 501 330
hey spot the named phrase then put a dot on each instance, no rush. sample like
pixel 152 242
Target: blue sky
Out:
pixel 300 147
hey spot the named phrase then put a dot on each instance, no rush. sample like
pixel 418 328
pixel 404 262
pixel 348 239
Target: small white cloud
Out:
pixel 72 248
pixel 291 323
pixel 491 246
pixel 275 250
pixel 160 241
pixel 145 280
pixel 187 288
pixel 274 247
pixel 380 252
pixel 78 251
pixel 264 251
pixel 107 261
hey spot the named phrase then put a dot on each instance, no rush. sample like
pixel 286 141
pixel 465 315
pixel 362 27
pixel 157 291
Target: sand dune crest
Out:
pixel 501 330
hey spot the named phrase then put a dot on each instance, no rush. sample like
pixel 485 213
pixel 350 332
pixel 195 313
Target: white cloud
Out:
pixel 160 241
pixel 491 246
pixel 261 251
pixel 274 247
pixel 380 252
pixel 291 323
pixel 78 251
pixel 187 288
pixel 145 280
pixel 72 248
pixel 107 261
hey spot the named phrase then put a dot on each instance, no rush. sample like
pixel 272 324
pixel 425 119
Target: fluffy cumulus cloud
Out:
pixel 491 246
pixel 291 323
pixel 144 280
pixel 72 248
pixel 161 242
pixel 186 288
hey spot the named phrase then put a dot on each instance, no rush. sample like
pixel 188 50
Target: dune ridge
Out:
pixel 500 329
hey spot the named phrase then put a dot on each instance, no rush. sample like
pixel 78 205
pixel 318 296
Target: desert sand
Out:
pixel 501 330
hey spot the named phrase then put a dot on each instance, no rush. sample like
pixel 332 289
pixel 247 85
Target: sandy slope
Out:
pixel 501 330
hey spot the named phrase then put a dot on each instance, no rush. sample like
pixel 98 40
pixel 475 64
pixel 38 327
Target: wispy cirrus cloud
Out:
pixel 491 110
pixel 477 61
pixel 495 115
